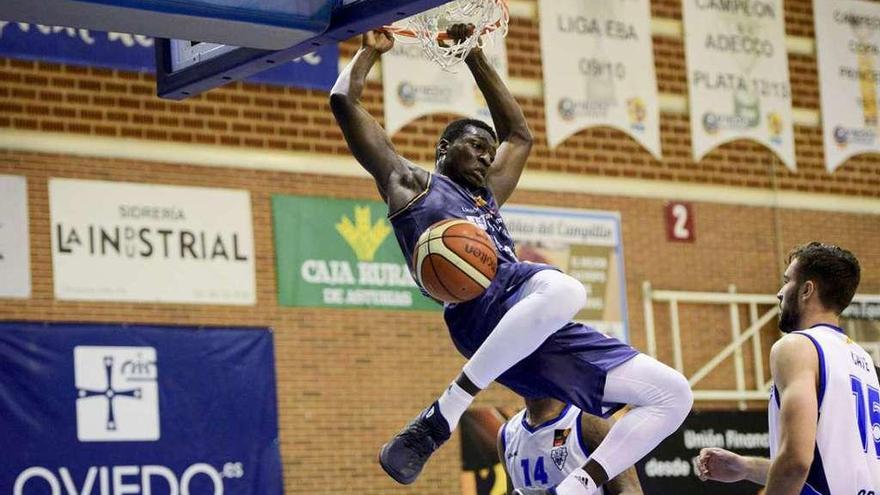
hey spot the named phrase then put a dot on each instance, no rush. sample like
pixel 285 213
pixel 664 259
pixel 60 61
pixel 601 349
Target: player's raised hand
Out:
pixel 460 31
pixel 379 40
pixel 721 465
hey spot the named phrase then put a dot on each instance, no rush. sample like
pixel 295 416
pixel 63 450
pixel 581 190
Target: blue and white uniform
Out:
pixel 542 456
pixel 846 460
pixel 572 364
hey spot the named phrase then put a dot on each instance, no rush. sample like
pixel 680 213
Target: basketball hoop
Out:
pixel 428 29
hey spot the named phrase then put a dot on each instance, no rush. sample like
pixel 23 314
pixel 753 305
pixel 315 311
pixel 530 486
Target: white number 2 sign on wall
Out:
pixel 679 222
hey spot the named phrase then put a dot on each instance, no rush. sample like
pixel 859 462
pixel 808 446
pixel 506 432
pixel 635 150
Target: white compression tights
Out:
pixel 661 398
pixel 550 299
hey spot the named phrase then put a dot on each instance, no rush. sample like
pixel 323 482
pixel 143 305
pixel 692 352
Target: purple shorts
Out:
pixel 570 366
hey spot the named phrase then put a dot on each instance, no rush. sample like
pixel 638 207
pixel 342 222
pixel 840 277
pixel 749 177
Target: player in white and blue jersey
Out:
pixel 548 440
pixel 824 413
pixel 519 332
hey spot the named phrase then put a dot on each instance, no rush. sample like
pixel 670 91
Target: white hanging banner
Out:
pixel 737 69
pixel 15 260
pixel 414 86
pixel 599 69
pixel 848 50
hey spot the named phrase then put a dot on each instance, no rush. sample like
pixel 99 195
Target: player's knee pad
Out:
pixel 677 398
pixel 649 382
pixel 575 291
pixel 553 299
pixel 682 397
pixel 565 294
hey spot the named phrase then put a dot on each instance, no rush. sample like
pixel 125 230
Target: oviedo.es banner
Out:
pixel 105 409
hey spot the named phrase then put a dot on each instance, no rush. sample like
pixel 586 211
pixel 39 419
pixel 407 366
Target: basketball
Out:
pixel 455 260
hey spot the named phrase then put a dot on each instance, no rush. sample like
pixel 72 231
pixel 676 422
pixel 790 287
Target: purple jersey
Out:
pixel 444 199
pixel 571 365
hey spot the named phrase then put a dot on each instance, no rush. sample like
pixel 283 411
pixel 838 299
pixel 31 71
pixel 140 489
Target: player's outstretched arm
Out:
pixel 499 445
pixel 365 137
pixel 593 431
pixel 723 465
pixel 514 135
pixel 794 363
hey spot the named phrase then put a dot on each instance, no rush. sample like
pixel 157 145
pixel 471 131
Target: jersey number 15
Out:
pixel 867 408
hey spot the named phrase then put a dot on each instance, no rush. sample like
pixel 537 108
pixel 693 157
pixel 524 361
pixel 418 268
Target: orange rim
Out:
pixel 443 36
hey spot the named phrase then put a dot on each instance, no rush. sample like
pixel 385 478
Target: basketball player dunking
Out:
pixel 825 402
pixel 519 332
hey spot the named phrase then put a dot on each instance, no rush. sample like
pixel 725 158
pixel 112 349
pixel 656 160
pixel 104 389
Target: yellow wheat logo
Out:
pixel 363 235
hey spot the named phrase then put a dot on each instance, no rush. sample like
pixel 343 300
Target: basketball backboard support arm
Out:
pixel 347 20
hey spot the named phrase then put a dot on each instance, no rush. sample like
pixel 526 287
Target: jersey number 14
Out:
pixel 538 475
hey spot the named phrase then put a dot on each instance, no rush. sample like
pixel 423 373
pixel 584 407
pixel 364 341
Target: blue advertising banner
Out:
pixel 317 70
pixel 106 409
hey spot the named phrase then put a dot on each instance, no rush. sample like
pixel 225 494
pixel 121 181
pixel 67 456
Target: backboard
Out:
pixel 185 68
pixel 266 24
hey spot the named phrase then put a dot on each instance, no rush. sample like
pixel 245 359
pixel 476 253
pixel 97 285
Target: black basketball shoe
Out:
pixel 404 456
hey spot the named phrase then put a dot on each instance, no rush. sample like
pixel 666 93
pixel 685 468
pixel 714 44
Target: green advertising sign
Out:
pixel 340 253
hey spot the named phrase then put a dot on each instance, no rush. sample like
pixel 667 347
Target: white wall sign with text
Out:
pixel 599 69
pixel 737 70
pixel 588 245
pixel 15 260
pixel 848 51
pixel 116 241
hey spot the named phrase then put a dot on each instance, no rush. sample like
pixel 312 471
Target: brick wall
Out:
pixel 349 379
pixel 57 98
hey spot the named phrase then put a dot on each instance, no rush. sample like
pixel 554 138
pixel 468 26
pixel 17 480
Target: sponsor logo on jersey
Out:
pixel 560 436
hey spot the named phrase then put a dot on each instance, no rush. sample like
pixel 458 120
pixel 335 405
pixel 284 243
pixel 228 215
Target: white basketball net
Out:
pixel 428 29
